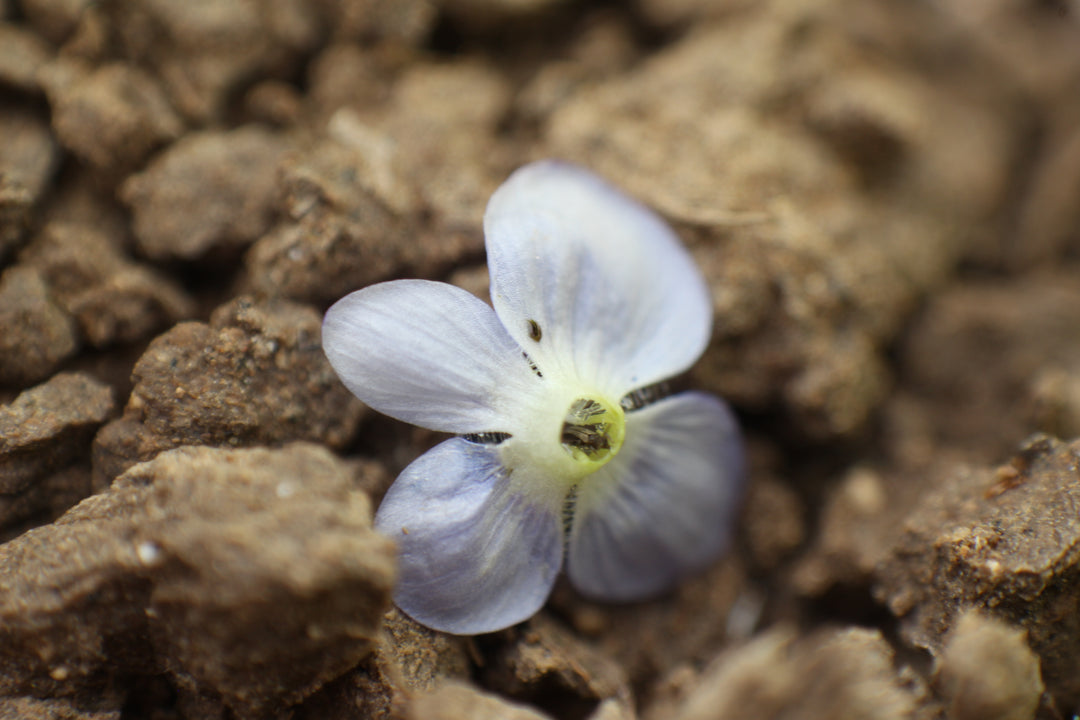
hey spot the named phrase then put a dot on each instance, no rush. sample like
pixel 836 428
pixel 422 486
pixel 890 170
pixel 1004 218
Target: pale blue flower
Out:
pixel 568 455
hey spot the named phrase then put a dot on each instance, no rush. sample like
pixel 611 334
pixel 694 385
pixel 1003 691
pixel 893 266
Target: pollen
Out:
pixel 593 430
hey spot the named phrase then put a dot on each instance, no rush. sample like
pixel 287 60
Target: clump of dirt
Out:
pixel 44 436
pixel 255 375
pixel 882 196
pixel 1003 540
pixel 987 670
pixel 250 577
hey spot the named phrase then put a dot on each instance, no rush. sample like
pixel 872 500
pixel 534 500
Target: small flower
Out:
pixel 570 453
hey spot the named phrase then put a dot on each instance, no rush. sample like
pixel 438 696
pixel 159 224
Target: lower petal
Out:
pixel 664 507
pixel 475 555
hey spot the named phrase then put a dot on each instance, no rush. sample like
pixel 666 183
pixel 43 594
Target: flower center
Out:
pixel 593 431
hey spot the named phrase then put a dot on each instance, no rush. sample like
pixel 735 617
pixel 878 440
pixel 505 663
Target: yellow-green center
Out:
pixel 593 431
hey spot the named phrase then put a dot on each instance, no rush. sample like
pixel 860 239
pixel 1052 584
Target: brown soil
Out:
pixel 884 196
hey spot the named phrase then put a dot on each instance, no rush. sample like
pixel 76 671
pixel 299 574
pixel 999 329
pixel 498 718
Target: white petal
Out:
pixel 614 296
pixel 427 353
pixel 664 507
pixel 475 555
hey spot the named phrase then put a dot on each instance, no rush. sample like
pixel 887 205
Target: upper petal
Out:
pixel 665 506
pixel 591 283
pixel 427 353
pixel 475 554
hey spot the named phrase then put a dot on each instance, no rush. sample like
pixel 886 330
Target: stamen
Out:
pixel 587 438
pixel 568 509
pixel 486 438
pixel 592 430
pixel 585 408
pixel 647 395
pixel 531 364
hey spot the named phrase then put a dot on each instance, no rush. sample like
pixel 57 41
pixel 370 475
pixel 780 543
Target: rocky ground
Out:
pixel 883 194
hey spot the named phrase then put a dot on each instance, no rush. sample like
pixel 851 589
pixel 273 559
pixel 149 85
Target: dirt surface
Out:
pixel 884 197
